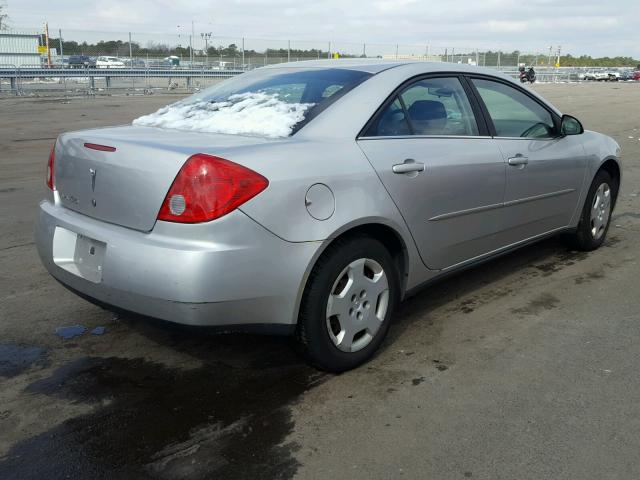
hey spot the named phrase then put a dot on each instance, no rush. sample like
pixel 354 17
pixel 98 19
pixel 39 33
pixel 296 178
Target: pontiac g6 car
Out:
pixel 390 175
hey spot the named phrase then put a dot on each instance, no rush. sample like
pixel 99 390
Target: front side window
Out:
pixel 434 106
pixel 513 113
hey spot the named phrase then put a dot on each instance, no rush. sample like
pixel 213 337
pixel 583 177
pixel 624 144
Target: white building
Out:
pixel 19 49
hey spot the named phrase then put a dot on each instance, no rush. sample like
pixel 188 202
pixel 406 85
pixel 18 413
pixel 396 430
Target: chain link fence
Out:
pixel 88 62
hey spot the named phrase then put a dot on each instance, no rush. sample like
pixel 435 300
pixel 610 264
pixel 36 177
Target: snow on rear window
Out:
pixel 252 113
pixel 270 102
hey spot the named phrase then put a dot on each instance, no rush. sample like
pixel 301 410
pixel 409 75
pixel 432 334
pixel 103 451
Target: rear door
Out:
pixel 429 146
pixel 545 171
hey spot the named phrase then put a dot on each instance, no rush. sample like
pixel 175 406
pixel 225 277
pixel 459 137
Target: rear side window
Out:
pixel 434 106
pixel 513 113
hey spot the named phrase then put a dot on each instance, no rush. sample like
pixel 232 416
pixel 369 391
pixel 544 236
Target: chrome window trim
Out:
pixel 527 138
pixel 413 137
pixel 399 137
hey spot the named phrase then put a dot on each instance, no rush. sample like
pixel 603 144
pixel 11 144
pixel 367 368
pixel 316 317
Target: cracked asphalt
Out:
pixel 525 367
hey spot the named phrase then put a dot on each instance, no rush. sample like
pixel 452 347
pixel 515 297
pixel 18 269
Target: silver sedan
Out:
pixel 311 198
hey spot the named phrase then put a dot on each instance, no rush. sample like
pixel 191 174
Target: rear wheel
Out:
pixel 596 213
pixel 348 303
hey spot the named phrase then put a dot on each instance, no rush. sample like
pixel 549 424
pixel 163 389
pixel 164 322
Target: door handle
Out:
pixel 518 161
pixel 409 166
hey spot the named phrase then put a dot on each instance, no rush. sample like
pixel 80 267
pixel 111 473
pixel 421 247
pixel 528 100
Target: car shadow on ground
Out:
pixel 460 291
pixel 227 418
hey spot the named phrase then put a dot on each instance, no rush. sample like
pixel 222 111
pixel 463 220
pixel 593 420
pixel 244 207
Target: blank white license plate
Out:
pixel 78 254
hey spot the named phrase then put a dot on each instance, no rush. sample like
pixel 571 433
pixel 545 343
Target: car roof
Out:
pixel 376 65
pixel 363 64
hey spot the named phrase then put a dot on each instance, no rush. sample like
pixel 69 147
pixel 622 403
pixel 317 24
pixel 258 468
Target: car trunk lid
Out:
pixel 121 175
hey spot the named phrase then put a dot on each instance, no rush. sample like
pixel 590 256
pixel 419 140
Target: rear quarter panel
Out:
pixel 359 196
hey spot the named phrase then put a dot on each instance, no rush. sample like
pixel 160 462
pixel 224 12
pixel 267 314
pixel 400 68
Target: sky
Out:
pixel 597 28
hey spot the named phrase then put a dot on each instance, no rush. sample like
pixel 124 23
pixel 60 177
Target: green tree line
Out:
pixel 121 48
pixel 488 58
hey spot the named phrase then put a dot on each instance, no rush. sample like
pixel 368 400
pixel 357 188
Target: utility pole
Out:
pixel 206 36
pixel 191 44
pixel 288 50
pixel 549 60
pixel 243 53
pixel 46 36
pixel 61 48
pixel 329 52
pixel 558 57
pixel 130 52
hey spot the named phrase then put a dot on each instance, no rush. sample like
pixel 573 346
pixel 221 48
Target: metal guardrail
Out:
pixel 16 74
pixel 37 78
pixel 32 72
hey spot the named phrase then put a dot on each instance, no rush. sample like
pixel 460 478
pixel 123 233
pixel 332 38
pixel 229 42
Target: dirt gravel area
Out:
pixel 525 367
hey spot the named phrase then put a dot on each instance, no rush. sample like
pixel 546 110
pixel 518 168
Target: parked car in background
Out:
pixel 586 76
pixel 109 62
pixel 134 63
pixel 81 61
pixel 601 76
pixel 345 187
pixel 626 76
pixel 171 61
pixel 636 75
pixel 614 75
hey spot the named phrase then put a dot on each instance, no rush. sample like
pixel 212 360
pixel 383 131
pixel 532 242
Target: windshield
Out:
pixel 265 102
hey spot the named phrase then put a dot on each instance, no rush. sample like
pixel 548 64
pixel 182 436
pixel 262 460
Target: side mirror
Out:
pixel 570 126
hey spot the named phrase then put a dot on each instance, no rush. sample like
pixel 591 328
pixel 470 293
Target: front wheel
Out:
pixel 596 214
pixel 347 305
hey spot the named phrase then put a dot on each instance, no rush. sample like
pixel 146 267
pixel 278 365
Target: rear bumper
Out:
pixel 228 272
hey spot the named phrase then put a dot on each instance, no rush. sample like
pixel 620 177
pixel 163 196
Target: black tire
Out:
pixel 583 239
pixel 312 335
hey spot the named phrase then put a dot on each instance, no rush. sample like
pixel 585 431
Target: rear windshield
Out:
pixel 268 102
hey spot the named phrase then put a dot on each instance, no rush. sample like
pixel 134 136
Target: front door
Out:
pixel 545 171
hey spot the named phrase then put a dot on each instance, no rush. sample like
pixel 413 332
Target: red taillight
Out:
pixel 207 188
pixel 52 159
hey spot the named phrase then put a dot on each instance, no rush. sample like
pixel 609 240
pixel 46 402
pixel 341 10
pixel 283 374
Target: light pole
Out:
pixel 206 36
pixel 179 40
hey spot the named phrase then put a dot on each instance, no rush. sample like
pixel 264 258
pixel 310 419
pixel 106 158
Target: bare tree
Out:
pixel 4 17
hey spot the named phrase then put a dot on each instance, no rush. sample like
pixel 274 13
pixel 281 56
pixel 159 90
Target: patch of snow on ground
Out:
pixel 254 113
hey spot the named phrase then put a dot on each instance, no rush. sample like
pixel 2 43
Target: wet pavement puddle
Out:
pixel 67 333
pixel 221 420
pixel 16 359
